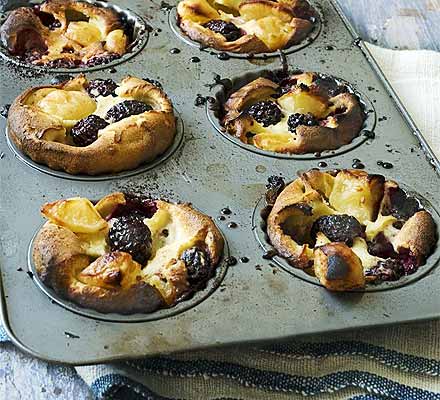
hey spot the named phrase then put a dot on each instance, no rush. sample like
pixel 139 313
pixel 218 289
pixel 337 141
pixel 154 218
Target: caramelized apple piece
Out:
pixel 116 42
pixel 67 105
pixel 108 204
pixel 111 270
pixel 257 9
pixel 358 194
pixel 303 102
pixel 83 32
pixel 198 11
pixel 76 214
pixel 272 141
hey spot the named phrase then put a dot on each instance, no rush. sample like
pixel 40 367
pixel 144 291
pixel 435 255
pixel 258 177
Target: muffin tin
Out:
pixel 257 299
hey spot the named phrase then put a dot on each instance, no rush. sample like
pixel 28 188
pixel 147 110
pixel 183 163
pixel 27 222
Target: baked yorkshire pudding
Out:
pixel 93 127
pixel 349 228
pixel 251 26
pixel 125 254
pixel 297 114
pixel 64 33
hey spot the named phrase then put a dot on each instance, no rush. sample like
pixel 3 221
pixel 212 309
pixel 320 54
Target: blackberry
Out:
pixel 126 109
pixel 197 264
pixel 297 119
pixel 265 112
pixel 129 234
pixel 274 187
pixel 381 247
pixel 140 205
pixel 400 205
pixel 101 59
pixel 227 29
pixel 85 132
pixel 61 63
pixel 409 263
pixel 387 270
pixel 338 228
pixel 101 87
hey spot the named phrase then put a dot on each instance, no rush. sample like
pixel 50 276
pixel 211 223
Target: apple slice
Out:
pixel 76 214
pixel 108 204
pixel 198 11
pixel 303 102
pixel 257 9
pixel 273 141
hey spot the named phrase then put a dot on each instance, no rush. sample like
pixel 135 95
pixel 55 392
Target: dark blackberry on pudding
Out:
pixel 296 120
pixel 128 233
pixel 197 264
pixel 227 29
pixel 102 87
pixel 85 132
pixel 126 109
pixel 265 112
pixel 338 228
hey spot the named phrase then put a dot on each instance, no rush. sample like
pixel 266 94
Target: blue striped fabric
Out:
pixel 3 335
pixel 117 386
pixel 281 382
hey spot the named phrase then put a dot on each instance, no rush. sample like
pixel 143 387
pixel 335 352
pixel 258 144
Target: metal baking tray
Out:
pixel 257 300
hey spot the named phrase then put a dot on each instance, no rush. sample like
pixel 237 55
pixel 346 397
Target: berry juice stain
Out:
pixel 357 164
pixel 223 56
pixel 269 254
pixel 200 100
pixel 384 164
pixel 230 261
pixel 4 110
pixel 369 134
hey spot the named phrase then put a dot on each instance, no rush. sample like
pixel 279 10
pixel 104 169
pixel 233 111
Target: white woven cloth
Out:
pixel 388 361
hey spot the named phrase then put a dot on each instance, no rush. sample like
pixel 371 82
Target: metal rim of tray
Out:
pixel 237 82
pixel 140 29
pixel 186 304
pixel 432 261
pixel 311 37
pixel 178 140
